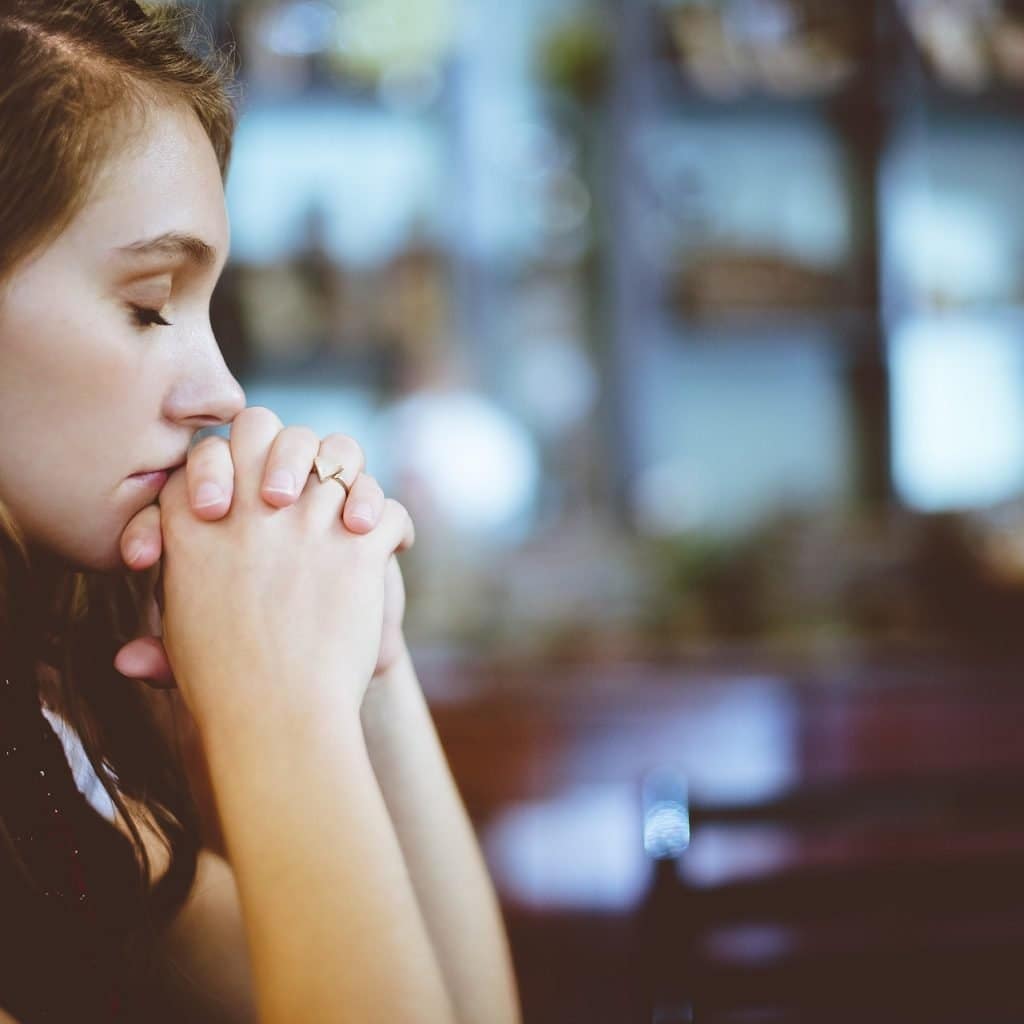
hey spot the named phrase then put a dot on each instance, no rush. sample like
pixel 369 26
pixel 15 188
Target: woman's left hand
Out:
pixel 210 463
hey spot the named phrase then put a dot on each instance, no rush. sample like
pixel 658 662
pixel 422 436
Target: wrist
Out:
pixel 388 687
pixel 392 655
pixel 392 650
pixel 255 762
pixel 282 714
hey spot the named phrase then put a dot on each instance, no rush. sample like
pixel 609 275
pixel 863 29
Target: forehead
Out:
pixel 162 178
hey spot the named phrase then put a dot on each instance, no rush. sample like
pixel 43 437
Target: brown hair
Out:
pixel 72 74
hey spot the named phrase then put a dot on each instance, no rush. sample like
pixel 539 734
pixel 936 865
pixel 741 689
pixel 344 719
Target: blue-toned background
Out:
pixel 617 295
pixel 691 333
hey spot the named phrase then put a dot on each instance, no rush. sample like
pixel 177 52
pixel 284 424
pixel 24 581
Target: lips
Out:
pixel 162 469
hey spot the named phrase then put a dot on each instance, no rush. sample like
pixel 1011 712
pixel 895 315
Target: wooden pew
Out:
pixel 856 848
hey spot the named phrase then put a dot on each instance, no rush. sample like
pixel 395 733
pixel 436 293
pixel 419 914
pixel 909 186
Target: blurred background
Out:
pixel 691 332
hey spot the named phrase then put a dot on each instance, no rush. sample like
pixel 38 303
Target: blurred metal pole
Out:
pixel 666 927
pixel 861 125
pixel 624 299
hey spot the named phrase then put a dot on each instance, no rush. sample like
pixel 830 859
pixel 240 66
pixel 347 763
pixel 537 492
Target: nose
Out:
pixel 205 393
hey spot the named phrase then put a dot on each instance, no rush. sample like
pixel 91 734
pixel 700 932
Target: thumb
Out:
pixel 145 659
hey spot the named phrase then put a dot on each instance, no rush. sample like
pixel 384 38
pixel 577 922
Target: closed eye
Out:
pixel 148 317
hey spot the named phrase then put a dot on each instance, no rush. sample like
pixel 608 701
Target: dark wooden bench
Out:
pixel 885 882
pixel 856 848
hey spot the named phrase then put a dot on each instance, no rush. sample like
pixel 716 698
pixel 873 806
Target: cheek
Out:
pixel 68 513
pixel 55 368
pixel 65 454
pixel 76 405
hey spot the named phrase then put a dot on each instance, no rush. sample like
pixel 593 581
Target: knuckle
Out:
pixel 363 556
pixel 397 511
pixel 213 462
pixel 203 447
pixel 257 412
pixel 345 443
pixel 305 435
pixel 396 507
pixel 257 418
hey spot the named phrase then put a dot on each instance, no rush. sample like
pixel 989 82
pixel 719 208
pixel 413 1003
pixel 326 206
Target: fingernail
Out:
pixel 207 495
pixel 362 512
pixel 281 481
pixel 135 551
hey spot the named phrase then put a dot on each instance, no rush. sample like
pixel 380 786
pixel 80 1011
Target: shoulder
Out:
pixel 205 972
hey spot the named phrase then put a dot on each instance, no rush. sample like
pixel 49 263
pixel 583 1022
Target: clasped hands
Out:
pixel 210 477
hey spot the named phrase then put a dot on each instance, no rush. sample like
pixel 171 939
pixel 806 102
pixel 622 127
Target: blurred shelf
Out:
pixel 896 94
pixel 676 94
pixel 768 326
pixel 1007 315
pixel 877 96
pixel 927 94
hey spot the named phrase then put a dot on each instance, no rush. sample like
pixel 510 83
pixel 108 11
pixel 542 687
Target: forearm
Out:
pixel 333 925
pixel 449 875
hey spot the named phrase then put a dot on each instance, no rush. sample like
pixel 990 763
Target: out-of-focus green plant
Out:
pixel 710 587
pixel 890 582
pixel 575 57
pixel 787 582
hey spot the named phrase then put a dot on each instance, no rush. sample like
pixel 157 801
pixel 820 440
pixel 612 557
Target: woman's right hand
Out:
pixel 270 612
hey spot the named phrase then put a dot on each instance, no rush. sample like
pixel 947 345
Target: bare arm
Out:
pixel 448 871
pixel 333 926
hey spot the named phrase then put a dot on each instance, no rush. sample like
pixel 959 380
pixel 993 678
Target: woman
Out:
pixel 275 834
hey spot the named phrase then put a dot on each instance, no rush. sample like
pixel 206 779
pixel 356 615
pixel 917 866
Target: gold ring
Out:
pixel 324 472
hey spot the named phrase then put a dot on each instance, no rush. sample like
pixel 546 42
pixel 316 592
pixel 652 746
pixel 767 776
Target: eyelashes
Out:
pixel 148 317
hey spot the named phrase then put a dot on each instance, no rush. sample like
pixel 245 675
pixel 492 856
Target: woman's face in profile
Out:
pixel 94 388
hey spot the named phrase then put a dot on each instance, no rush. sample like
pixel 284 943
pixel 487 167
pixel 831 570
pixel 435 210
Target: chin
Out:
pixel 83 546
pixel 103 557
pixel 109 560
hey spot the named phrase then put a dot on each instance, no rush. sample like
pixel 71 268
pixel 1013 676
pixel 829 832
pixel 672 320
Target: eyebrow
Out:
pixel 174 243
